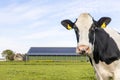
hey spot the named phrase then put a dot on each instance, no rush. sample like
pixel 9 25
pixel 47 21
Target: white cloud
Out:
pixel 13 44
pixel 37 24
pixel 49 33
pixel 14 13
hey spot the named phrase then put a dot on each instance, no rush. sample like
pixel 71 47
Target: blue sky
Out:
pixel 36 23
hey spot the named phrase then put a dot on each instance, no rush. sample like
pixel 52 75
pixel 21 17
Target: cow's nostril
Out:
pixel 83 51
pixel 87 48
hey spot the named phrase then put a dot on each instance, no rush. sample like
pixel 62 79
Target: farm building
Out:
pixel 53 53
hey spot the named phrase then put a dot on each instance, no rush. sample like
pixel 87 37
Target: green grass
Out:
pixel 40 70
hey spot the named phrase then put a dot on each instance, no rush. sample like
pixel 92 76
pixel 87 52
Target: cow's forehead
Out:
pixel 84 21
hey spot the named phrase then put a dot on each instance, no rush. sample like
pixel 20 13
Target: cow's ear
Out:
pixel 104 21
pixel 67 24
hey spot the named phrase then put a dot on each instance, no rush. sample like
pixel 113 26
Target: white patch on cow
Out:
pixel 114 34
pixel 105 71
pixel 84 23
pixel 117 70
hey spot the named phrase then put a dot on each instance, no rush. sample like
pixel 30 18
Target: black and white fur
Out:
pixel 104 45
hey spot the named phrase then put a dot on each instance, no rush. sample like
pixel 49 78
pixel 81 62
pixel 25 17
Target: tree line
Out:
pixel 12 56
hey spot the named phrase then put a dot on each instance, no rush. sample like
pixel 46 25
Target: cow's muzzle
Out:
pixel 83 49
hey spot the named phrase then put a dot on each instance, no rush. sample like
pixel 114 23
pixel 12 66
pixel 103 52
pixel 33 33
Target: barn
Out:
pixel 53 54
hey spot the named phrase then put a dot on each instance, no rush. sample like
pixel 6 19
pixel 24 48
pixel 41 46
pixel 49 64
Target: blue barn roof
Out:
pixel 51 51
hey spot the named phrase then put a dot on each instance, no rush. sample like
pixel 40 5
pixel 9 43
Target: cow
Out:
pixel 99 42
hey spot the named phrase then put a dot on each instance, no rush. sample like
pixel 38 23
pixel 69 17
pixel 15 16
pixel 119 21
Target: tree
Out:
pixel 9 54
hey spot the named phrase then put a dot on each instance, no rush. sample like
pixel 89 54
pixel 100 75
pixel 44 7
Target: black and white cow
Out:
pixel 100 43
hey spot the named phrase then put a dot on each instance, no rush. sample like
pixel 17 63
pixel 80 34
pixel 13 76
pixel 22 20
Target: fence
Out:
pixel 58 58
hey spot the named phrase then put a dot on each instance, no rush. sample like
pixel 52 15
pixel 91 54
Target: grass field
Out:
pixel 37 70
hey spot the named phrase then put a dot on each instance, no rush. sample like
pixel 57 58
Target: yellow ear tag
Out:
pixel 69 27
pixel 103 25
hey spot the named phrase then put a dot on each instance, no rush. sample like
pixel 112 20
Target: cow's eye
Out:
pixel 91 36
pixel 93 27
pixel 76 29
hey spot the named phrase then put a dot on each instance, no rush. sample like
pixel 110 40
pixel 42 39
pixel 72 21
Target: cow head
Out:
pixel 86 29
